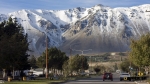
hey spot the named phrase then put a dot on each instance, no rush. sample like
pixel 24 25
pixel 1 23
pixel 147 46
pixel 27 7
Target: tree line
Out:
pixel 58 60
pixel 14 47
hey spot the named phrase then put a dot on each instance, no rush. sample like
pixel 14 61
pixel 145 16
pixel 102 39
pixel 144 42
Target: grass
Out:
pixel 45 81
pixel 25 82
pixel 35 82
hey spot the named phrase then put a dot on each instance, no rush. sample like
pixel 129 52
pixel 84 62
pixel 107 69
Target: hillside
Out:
pixel 83 30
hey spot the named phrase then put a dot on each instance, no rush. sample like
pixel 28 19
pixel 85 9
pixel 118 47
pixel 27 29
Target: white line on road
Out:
pixel 100 82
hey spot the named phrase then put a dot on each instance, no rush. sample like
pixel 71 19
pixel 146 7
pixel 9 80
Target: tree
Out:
pixel 56 58
pixel 97 69
pixel 32 62
pixel 126 66
pixel 121 54
pixel 41 62
pixel 77 63
pixel 14 46
pixel 140 48
pixel 66 69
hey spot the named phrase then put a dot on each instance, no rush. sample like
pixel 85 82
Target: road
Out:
pixel 98 80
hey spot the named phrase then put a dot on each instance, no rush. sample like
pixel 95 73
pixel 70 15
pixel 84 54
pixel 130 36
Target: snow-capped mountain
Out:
pixel 84 30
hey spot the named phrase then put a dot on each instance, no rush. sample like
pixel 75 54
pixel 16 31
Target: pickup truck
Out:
pixel 125 76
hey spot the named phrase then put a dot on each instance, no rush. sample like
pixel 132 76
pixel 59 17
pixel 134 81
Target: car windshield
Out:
pixel 107 73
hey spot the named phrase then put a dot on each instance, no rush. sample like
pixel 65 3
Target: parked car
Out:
pixel 108 76
pixel 125 76
pixel 118 71
pixel 32 77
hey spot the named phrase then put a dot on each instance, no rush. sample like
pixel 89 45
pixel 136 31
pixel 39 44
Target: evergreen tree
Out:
pixel 33 61
pixel 41 61
pixel 14 45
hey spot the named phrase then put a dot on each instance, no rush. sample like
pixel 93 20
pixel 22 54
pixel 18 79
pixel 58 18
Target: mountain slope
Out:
pixel 108 30
pixel 84 30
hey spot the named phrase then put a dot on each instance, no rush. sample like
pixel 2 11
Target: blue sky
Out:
pixel 7 6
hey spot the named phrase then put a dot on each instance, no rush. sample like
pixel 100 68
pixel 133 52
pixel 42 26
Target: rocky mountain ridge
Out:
pixel 84 30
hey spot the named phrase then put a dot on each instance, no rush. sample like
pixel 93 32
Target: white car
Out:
pixel 125 76
pixel 118 71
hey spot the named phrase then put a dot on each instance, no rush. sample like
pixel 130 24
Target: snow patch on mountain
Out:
pixel 100 28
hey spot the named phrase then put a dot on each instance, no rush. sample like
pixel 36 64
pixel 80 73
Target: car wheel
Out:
pixel 120 80
pixel 103 80
pixel 111 79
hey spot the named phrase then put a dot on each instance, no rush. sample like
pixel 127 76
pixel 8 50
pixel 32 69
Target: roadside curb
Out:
pixel 141 82
pixel 68 80
pixel 59 82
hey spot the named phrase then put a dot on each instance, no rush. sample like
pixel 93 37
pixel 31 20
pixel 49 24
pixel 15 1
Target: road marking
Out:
pixel 73 82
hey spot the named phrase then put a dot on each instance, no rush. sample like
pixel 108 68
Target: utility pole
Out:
pixel 46 57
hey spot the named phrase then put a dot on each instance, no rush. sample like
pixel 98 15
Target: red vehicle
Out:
pixel 108 76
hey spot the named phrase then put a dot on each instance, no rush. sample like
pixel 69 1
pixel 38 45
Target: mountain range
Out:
pixel 83 30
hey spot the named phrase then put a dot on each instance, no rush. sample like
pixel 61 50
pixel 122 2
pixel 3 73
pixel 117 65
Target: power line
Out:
pixel 82 50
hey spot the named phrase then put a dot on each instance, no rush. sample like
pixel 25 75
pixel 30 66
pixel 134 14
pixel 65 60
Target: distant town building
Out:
pixel 113 53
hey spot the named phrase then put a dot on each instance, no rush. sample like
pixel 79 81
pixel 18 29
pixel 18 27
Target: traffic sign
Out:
pixel 140 74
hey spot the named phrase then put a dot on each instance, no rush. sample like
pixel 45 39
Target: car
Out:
pixel 107 76
pixel 125 76
pixel 118 71
pixel 32 77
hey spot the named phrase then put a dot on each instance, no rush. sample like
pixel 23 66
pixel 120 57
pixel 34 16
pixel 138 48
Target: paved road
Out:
pixel 98 80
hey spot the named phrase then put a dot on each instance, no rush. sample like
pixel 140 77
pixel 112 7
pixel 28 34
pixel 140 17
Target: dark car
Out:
pixel 108 76
pixel 32 77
